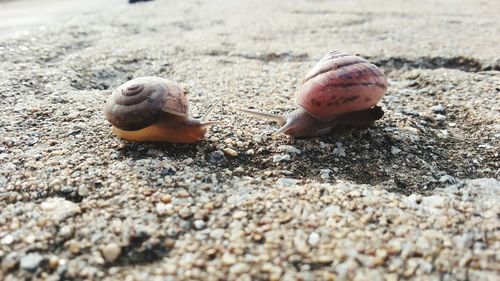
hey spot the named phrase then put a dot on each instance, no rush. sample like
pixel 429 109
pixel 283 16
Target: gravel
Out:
pixel 413 197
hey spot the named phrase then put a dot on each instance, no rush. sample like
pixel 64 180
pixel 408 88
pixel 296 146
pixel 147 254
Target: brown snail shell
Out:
pixel 340 83
pixel 154 109
pixel 140 102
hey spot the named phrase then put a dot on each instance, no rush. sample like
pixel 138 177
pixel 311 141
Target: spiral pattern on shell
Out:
pixel 141 102
pixel 340 83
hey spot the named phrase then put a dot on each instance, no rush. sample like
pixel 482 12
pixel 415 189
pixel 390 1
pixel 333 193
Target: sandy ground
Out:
pixel 415 197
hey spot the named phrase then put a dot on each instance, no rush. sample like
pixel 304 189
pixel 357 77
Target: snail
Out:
pixel 153 109
pixel 341 90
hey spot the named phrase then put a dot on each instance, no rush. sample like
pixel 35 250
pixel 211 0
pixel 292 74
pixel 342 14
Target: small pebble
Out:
pixel 217 157
pixel 339 151
pixel 440 117
pixel 281 157
pixel 148 192
pixel 239 268
pixel 83 191
pixel 395 150
pixel 66 231
pixel 228 259
pixel 7 240
pixel 166 198
pixel 10 261
pixel 161 209
pixel 53 262
pixel 182 194
pixel 111 252
pixel 239 215
pixel 74 247
pixel 217 233
pixel 31 261
pixel 313 239
pixel 289 149
pixel 438 109
pixel 59 209
pixel 325 174
pixel 287 182
pixel 230 152
pixel 448 179
pixel 185 212
pixel 199 224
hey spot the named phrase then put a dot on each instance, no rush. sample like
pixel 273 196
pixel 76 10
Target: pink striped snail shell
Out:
pixel 341 90
pixel 153 109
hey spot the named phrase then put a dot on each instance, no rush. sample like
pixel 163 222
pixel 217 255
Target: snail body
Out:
pixel 153 109
pixel 341 90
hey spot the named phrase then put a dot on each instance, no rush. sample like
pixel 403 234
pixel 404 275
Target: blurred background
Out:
pixel 18 14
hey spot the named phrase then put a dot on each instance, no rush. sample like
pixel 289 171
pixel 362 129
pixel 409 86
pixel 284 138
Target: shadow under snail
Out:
pixel 341 90
pixel 153 109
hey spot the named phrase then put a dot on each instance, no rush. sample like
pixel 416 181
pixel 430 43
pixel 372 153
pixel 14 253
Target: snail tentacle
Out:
pixel 204 122
pixel 280 119
pixel 206 125
pixel 209 112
